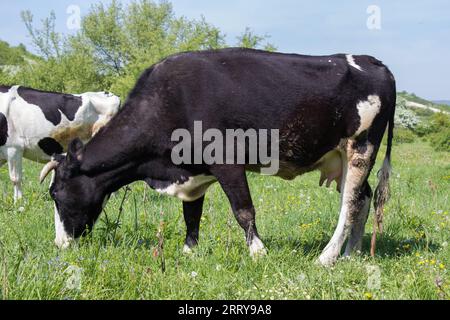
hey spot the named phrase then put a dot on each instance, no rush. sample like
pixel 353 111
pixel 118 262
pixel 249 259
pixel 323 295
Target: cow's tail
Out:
pixel 382 191
pixel 5 104
pixel 12 95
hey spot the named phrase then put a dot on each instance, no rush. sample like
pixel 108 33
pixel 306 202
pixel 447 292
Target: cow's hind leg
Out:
pixel 234 183
pixel 357 165
pixel 192 212
pixel 359 218
pixel 15 171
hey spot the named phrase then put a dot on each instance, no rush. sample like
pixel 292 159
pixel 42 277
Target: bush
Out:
pixel 440 141
pixel 436 132
pixel 440 121
pixel 423 130
pixel 405 117
pixel 402 135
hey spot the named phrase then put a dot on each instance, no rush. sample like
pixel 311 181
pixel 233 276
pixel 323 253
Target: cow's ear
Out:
pixel 74 151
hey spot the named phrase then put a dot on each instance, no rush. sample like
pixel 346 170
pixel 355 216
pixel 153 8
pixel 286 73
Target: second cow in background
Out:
pixel 37 124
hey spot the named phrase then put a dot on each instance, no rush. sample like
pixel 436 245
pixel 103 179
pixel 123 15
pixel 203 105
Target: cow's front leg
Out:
pixel 192 212
pixel 357 165
pixel 15 171
pixel 234 183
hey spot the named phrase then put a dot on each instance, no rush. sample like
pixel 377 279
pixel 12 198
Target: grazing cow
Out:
pixel 36 124
pixel 331 113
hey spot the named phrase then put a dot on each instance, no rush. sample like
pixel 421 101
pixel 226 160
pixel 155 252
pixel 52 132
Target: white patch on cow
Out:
pixel 351 61
pixel 257 248
pixel 190 190
pixel 367 111
pixel 62 239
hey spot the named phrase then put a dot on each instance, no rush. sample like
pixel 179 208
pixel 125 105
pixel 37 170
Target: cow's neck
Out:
pixel 113 180
pixel 157 170
pixel 120 142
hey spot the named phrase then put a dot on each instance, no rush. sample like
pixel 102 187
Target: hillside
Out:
pixel 445 102
pixel 414 101
pixel 14 56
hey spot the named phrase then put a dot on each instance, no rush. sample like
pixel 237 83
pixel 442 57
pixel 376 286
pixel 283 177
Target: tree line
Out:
pixel 114 44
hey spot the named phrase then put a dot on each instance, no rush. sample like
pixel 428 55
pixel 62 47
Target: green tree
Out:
pixel 250 40
pixel 115 44
pixel 10 56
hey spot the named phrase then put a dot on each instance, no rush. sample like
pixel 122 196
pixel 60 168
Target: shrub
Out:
pixel 423 130
pixel 440 121
pixel 440 141
pixel 402 135
pixel 405 117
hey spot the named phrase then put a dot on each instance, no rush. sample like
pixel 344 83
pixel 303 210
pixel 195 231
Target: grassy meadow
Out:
pixel 120 259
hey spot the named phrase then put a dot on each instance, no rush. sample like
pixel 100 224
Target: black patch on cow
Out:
pixel 52 103
pixel 50 146
pixel 4 89
pixel 3 129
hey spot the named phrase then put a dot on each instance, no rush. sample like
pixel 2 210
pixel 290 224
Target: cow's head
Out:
pixel 78 198
pixel 105 103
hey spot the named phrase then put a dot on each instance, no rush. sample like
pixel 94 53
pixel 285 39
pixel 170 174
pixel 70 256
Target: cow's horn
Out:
pixel 47 169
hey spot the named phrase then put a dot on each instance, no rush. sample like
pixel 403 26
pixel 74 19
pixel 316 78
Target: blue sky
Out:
pixel 414 39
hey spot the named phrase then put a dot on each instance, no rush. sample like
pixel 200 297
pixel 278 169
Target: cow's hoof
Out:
pixel 258 254
pixel 63 243
pixel 327 260
pixel 257 249
pixel 187 249
pixel 349 254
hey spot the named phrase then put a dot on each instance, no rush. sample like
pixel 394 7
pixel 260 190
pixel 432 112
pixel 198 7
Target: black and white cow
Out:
pixel 36 124
pixel 331 113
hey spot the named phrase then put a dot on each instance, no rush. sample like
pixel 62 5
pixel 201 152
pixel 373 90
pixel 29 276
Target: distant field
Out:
pixel 295 220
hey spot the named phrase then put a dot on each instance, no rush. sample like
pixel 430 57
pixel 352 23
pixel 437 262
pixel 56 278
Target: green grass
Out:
pixel 295 220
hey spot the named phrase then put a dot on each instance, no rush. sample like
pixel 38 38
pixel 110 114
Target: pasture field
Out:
pixel 295 218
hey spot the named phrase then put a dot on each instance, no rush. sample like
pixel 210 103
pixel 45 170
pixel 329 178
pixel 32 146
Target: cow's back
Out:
pixel 311 99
